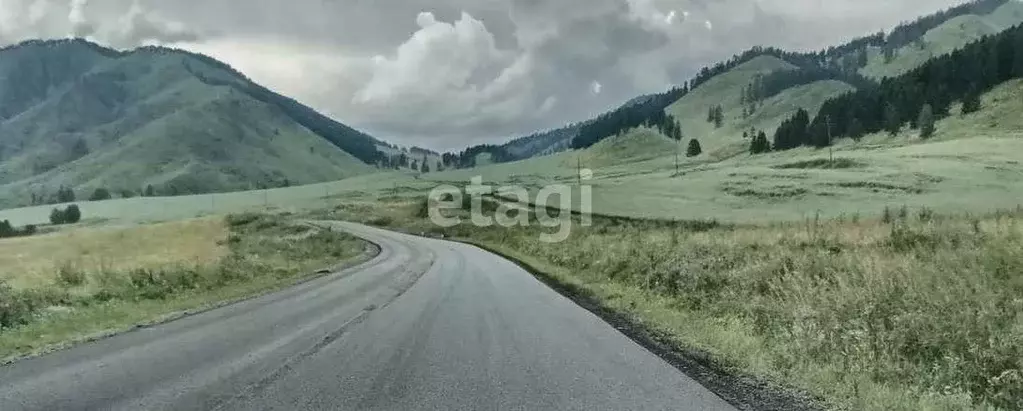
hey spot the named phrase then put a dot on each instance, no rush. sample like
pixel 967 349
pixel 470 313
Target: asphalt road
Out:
pixel 426 325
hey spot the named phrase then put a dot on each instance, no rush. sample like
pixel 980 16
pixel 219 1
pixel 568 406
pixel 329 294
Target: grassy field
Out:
pixel 901 309
pixel 971 164
pixel 111 287
pixel 31 262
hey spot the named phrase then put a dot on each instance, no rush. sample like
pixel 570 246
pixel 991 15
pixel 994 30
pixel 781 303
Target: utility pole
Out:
pixel 579 169
pixel 678 147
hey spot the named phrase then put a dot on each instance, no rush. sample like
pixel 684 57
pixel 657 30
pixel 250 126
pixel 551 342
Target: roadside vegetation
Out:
pixel 906 309
pixel 80 284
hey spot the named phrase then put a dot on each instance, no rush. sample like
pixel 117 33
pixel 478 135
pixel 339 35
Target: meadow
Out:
pixel 901 309
pixel 100 281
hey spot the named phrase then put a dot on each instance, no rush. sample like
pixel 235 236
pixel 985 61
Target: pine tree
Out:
pixel 694 148
pixel 926 121
pixel 65 195
pixel 892 119
pixel 855 130
pixel 765 145
pixel 862 58
pixel 889 54
pixel 971 101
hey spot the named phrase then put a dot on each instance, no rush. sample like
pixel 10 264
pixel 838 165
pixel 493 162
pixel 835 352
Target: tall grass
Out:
pixel 264 252
pixel 910 311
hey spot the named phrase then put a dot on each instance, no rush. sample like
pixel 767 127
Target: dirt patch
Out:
pixel 878 187
pixel 823 164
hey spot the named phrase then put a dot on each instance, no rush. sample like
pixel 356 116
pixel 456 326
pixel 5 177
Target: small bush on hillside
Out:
pixel 70 215
pixel 694 148
pixel 100 194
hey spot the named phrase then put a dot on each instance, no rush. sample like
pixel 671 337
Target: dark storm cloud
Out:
pixel 444 73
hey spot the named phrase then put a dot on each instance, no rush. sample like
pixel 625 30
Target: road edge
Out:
pixel 370 251
pixel 741 391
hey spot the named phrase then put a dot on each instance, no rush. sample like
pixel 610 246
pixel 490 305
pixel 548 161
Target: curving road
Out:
pixel 426 325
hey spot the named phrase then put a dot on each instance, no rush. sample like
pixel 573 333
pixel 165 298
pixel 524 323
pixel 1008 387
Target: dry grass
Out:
pixel 202 263
pixel 31 262
pixel 912 311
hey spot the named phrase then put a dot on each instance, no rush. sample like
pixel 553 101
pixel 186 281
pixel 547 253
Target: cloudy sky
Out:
pixel 447 73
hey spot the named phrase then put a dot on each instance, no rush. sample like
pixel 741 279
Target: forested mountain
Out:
pixel 75 114
pixel 916 99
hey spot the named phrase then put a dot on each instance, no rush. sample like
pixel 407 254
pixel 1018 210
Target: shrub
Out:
pixel 16 308
pixel 69 276
pixel 100 194
pixel 70 215
pixel 57 216
pixel 694 148
pixel 6 229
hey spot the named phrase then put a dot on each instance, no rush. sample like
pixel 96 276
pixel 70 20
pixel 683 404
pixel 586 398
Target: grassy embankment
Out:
pixel 71 286
pixel 910 311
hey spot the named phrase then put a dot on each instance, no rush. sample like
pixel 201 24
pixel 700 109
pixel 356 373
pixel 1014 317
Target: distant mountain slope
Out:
pixel 945 38
pixel 76 114
pixel 790 81
pixel 637 145
pixel 725 90
pixel 543 143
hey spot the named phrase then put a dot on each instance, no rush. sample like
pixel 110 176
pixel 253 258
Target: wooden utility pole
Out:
pixel 579 169
pixel 678 147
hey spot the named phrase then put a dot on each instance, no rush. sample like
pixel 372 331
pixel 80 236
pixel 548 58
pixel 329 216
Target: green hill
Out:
pixel 725 90
pixel 950 36
pixel 79 115
pixel 636 145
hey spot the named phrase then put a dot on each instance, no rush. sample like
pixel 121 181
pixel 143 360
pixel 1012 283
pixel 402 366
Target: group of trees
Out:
pixel 917 98
pixel 716 116
pixel 758 141
pixel 402 160
pixel 66 194
pixel 70 215
pixel 649 111
pixel 8 231
pixel 668 126
pixel 467 158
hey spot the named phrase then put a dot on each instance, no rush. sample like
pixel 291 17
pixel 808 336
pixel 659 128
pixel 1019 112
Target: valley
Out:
pixel 857 262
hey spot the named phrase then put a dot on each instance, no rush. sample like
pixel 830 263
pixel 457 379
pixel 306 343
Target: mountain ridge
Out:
pixel 180 121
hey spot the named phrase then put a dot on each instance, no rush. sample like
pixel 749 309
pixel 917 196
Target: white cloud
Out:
pixel 596 87
pixel 708 25
pixel 119 24
pixel 670 18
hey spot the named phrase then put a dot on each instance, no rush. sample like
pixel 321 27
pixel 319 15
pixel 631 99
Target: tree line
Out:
pixel 7 230
pixel 923 95
pixel 649 112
